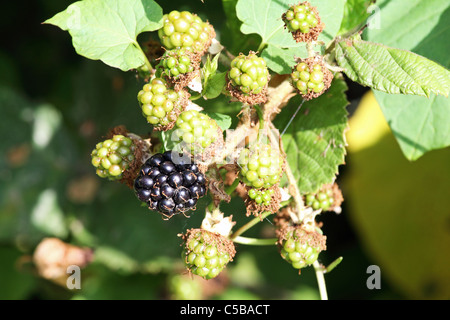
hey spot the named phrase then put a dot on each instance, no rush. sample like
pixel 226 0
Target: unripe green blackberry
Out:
pixel 175 63
pixel 184 29
pixel 321 200
pixel 311 78
pixel 206 253
pixel 160 104
pixel 328 198
pixel 299 247
pixel 196 129
pixel 113 156
pixel 303 21
pixel 248 78
pixel 261 166
pixel 261 196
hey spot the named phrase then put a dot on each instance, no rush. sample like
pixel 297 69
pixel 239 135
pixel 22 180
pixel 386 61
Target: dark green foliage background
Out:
pixel 137 250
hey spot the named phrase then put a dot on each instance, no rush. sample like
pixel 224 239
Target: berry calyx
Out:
pixel 311 78
pixel 113 156
pixel 248 78
pixel 206 253
pixel 185 29
pixel 303 21
pixel 170 183
pixel 160 104
pixel 196 130
pixel 261 166
pixel 299 247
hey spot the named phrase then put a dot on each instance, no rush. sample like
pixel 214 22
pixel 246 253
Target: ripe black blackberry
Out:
pixel 170 183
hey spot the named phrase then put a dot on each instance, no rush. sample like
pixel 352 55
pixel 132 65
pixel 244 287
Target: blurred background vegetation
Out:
pixel 55 106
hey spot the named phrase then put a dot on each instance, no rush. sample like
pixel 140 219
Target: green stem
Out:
pixel 146 61
pixel 195 97
pixel 255 241
pixel 285 203
pixel 320 280
pixel 211 206
pixel 333 265
pixel 261 46
pixel 229 190
pixel 249 224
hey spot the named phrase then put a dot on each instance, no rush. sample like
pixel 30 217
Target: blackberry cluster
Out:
pixel 261 166
pixel 196 129
pixel 160 104
pixel 263 196
pixel 175 62
pixel 184 29
pixel 322 200
pixel 113 156
pixel 249 73
pixel 299 247
pixel 169 183
pixel 306 79
pixel 300 17
pixel 206 253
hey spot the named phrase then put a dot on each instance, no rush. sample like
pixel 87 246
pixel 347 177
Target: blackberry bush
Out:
pixel 170 184
pixel 220 101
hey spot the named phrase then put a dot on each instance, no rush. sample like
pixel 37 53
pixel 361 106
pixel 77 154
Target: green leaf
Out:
pixel 223 120
pixel 405 24
pixel 213 88
pixel 355 14
pixel 213 82
pixel 282 60
pixel 391 70
pixel 107 30
pixel 314 142
pixel 210 67
pixel 418 124
pixel 231 36
pixel 264 18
